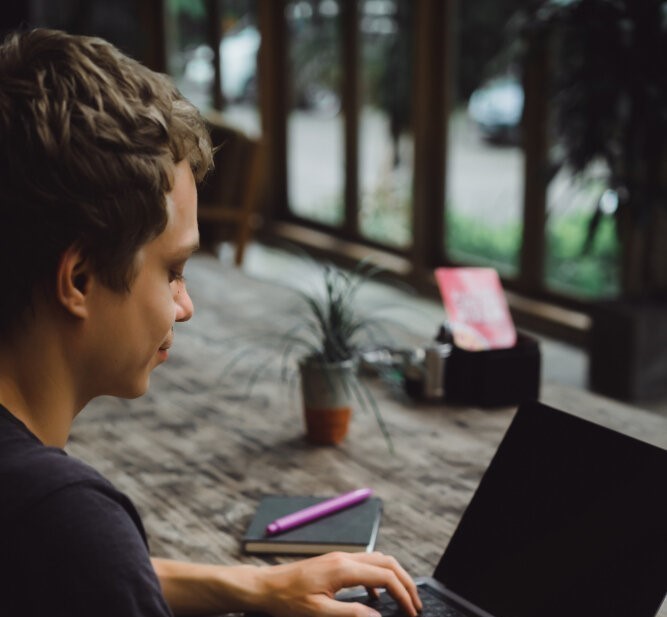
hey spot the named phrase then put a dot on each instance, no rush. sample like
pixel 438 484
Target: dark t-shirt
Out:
pixel 71 545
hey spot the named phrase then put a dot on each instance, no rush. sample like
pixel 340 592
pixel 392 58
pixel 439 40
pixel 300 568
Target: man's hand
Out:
pixel 306 588
pixel 303 588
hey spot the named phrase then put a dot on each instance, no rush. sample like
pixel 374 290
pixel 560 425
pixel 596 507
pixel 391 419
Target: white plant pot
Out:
pixel 327 391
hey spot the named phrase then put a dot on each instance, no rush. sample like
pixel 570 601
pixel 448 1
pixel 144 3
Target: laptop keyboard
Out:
pixel 434 605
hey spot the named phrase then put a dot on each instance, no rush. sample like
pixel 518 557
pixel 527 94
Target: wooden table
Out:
pixel 195 454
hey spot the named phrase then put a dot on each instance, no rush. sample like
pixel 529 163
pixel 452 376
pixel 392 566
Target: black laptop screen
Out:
pixel 569 519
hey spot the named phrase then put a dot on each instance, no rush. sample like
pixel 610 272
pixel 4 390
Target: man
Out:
pixel 99 159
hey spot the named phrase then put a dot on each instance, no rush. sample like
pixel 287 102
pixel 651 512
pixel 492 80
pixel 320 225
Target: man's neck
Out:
pixel 36 388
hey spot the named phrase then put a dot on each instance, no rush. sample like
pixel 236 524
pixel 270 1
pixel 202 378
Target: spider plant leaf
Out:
pixel 366 400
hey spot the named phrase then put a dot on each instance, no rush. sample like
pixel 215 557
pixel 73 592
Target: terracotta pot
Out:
pixel 327 396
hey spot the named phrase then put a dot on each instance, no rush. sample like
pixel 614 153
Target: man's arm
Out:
pixel 301 589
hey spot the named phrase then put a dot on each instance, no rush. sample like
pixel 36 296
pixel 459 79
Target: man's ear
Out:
pixel 73 281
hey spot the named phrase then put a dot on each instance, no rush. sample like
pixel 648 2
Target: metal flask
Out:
pixel 435 360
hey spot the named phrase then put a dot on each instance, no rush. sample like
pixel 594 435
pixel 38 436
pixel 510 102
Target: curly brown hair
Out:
pixel 88 142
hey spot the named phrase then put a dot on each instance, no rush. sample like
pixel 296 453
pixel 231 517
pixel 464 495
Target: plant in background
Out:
pixel 610 106
pixel 330 338
pixel 331 319
pixel 323 335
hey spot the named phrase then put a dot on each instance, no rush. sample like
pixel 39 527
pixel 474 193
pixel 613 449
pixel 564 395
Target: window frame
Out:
pixel 533 305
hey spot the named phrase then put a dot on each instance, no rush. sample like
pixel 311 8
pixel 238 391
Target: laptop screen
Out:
pixel 570 519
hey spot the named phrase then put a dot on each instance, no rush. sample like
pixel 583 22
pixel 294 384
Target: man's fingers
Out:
pixel 335 608
pixel 313 583
pixel 371 575
pixel 402 581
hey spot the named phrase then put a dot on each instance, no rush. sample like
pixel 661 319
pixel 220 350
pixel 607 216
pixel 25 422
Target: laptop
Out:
pixel 569 519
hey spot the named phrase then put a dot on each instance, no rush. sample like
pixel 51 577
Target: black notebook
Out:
pixel 353 530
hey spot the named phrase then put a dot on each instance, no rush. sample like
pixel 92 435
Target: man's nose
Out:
pixel 184 306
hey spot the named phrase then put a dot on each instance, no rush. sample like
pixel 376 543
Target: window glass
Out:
pixel 189 57
pixel 484 198
pixel 385 135
pixel 582 252
pixel 239 46
pixel 315 121
pixel 576 264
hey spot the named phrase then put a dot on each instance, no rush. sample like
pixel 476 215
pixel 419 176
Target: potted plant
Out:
pixel 609 104
pixel 320 345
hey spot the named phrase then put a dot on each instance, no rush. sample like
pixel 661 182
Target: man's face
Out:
pixel 132 332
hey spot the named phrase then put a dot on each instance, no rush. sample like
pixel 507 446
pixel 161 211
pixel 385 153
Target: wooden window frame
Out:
pixel 533 305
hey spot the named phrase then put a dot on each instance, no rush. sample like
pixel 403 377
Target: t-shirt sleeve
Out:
pixel 84 555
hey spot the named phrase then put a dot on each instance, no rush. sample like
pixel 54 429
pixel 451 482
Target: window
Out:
pixel 386 141
pixel 395 126
pixel 315 123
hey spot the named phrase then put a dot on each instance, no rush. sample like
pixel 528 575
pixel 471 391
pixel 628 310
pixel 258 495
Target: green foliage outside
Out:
pixel 195 9
pixel 593 275
pixel 385 214
pixel 469 240
pixel 485 42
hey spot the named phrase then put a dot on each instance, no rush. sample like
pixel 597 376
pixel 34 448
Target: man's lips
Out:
pixel 164 348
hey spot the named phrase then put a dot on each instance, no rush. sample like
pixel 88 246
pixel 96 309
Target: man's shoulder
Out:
pixel 31 472
pixel 72 536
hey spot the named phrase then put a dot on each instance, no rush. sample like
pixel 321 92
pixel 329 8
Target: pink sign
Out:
pixel 476 307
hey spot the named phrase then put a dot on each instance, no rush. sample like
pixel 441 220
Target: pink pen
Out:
pixel 301 517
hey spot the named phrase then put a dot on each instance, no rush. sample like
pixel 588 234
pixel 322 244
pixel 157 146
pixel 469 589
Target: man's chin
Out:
pixel 134 390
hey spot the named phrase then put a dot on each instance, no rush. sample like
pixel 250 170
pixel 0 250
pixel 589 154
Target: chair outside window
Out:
pixel 229 197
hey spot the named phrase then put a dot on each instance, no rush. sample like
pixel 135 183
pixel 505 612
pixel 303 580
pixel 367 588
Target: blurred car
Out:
pixel 497 107
pixel 199 65
pixel 238 64
pixel 238 70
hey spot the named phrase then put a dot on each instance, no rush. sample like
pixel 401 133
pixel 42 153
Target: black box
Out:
pixel 495 377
